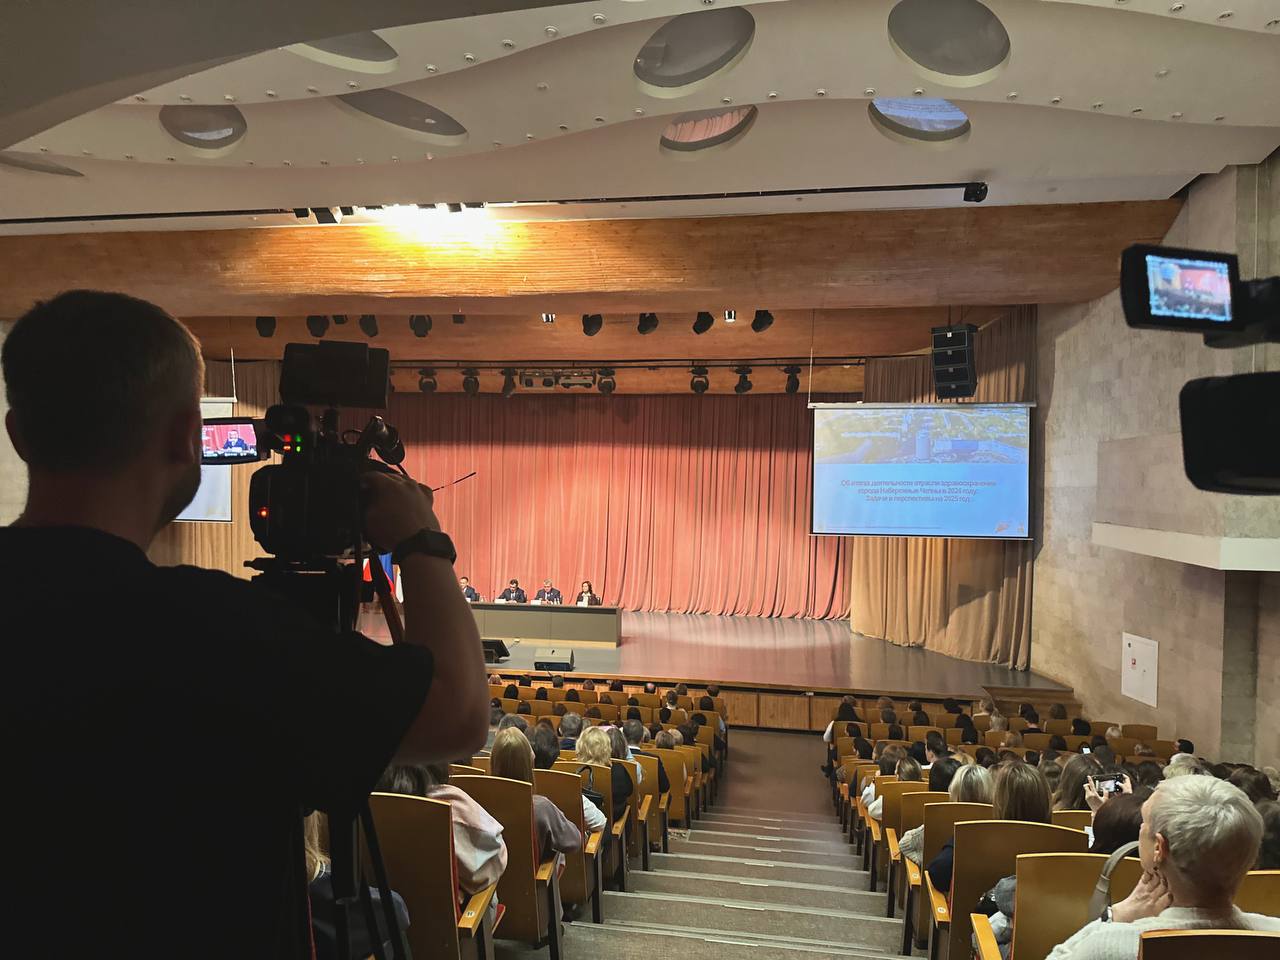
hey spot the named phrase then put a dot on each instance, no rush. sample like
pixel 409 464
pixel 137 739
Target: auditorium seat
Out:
pixel 882 857
pixel 655 810
pixel 416 840
pixel 680 808
pixel 940 821
pixel 1122 746
pixel 1198 944
pixel 481 763
pixel 583 877
pixel 1260 893
pixel 943 719
pixel 919 733
pixel 1140 731
pixel 463 770
pixel 651 700
pixel 1075 819
pixel 1035 741
pixel 1057 727
pixel 985 851
pixel 528 889
pixel 910 815
pixel 599 779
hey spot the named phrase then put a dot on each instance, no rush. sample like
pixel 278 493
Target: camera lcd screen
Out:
pixel 1187 289
pixel 226 440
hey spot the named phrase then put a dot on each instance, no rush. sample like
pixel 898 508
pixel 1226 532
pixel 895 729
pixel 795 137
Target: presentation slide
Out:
pixel 926 471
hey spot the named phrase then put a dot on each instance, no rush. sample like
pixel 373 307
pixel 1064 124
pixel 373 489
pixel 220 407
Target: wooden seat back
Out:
pixel 1017 724
pixel 650 700
pixel 879 731
pixel 1200 944
pixel 1123 746
pixel 496 690
pixel 564 789
pixel 1036 741
pixel 1260 893
pixel 598 778
pixel 1074 743
pixel 673 761
pixel 944 720
pixel 416 837
pixel 579 708
pixel 482 764
pixel 693 762
pixel 1075 819
pixel 707 736
pixel 1055 889
pixel 940 821
pixel 987 850
pixel 685 703
pixel 1164 749
pixel 541 708
pixel 613 697
pixel 648 786
pixel 510 802
pixel 527 693
pixel 1057 727
pixel 983 723
pixel 509 706
pixel 891 809
pixel 1146 732
pixel 588 697
pixel 911 808
pixel 465 770
pixel 608 712
pixel 919 733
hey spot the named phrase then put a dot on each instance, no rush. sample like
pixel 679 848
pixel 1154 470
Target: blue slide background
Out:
pixel 922 471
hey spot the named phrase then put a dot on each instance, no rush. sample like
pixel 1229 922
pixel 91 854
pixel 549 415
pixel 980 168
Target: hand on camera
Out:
pixel 397 508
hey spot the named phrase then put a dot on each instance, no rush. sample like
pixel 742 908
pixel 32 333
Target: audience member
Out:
pixel 512 758
pixel 884 703
pixel 634 732
pixel 526 681
pixel 1148 774
pixel 985 756
pixel 559 709
pixel 972 784
pixel 682 690
pixel 572 696
pixel 1117 822
pixel 557 681
pixel 1013 740
pixel 511 720
pixel 1269 851
pixel 1070 794
pixel 917 752
pixel 615 686
pixel 619 749
pixel 1080 727
pixel 689 734
pixel 664 740
pixel 511 692
pixel 1032 757
pixel 595 748
pixel 888 763
pixel 941 775
pixel 588 684
pixel 863 746
pixel 1186 746
pixel 1114 732
pixel 1052 771
pixel 593 713
pixel 650 687
pixel 1255 784
pixel 1020 793
pixel 1105 755
pixel 920 719
pixel 907 769
pixel 570 730
pixel 1008 755
pixel 986 708
pixel 664 715
pixel 1199 837
pixel 1058 742
pixel 672 699
pixel 1182 764
pixel 950 706
pixel 546 751
pixel 999 724
pixel 495 718
pixel 633 713
pixel 1058 711
pixel 888 715
pixel 523 708
pixel 540 694
pixel 1143 750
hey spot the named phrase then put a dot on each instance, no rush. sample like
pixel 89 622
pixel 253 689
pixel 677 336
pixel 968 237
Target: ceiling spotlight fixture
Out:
pixel 508 381
pixel 647 323
pixel 744 380
pixel 592 323
pixel 427 380
pixel 975 192
pixel 459 318
pixel 762 322
pixel 730 316
pixel 266 326
pixel 700 382
pixel 317 325
pixel 605 382
pixel 327 215
pixel 420 324
pixel 548 318
pixel 703 323
pixel 368 324
pixel 793 378
pixel 470 381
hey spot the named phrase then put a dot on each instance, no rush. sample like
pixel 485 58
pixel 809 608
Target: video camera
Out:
pixel 1229 424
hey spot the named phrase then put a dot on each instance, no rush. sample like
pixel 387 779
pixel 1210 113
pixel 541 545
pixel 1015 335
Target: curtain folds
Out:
pixel 965 598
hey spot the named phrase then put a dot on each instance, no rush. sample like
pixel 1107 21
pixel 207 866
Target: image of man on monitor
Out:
pixel 233 441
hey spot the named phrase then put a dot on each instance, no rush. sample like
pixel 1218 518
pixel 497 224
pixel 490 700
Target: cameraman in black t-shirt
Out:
pixel 158 759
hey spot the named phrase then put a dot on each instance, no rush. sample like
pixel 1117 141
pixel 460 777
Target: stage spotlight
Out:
pixel 605 382
pixel 454 207
pixel 592 323
pixel 368 324
pixel 548 318
pixel 427 380
pixel 470 382
pixel 730 316
pixel 975 192
pixel 266 326
pixel 329 215
pixel 420 324
pixel 762 322
pixel 317 325
pixel 648 323
pixel 703 323
pixel 459 318
pixel 744 380
pixel 793 378
pixel 699 383
pixel 508 381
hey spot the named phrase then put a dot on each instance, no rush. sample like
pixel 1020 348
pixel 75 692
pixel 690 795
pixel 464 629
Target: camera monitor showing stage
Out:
pixel 225 440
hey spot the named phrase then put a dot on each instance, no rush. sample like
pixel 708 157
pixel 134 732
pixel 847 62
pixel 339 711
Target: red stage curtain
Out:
pixel 674 503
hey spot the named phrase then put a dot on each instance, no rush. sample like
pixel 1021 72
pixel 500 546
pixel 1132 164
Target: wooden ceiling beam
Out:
pixel 473 263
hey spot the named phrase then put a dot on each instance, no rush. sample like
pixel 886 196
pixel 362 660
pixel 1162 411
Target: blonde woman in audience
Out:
pixel 1114 733
pixel 986 708
pixel 512 757
pixel 595 748
pixel 1012 739
pixel 999 723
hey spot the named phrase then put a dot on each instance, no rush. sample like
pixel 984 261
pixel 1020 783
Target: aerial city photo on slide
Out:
pixel 934 471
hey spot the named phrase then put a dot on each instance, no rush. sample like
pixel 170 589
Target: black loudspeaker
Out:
pixel 495 651
pixel 953 370
pixel 556 661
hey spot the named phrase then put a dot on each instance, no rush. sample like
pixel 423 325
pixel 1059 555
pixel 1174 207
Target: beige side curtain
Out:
pixel 224 546
pixel 965 598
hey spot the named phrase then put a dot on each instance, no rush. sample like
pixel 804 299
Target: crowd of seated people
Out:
pixel 1196 840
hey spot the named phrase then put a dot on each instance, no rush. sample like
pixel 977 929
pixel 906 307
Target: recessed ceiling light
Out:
pixel 271 93
pixel 1226 14
pixel 543 85
pixel 820 92
pixel 313 89
pixel 1055 100
pixel 89 153
pixel 44 149
pixel 869 92
pixel 599 18
pixel 1219 118
pixel 773 94
pixel 1012 95
pixel 229 98
pixel 1097 106
pixel 551 31
pixel 184 98
pixel 128 156
pixel 564 126
pixel 1272 24
pixel 1136 110
pixel 726 100
pixel 1176 115
pixel 353 84
pixel 249 163
pixel 508 44
pixel 431 156
pixel 639 111
pixel 529 136
pixel 324 163
pixel 469 57
pixel 1177 8
pixel 140 98
pixel 599 119
pixel 359 159
pixel 171 159
pixel 1162 73
pixel 432 68
pixel 918 92
pixel 287 163
pixel 497 143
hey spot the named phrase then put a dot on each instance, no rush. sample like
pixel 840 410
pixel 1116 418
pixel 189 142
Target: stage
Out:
pixel 780 653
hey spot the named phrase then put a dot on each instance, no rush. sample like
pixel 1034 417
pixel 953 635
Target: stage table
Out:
pixel 549 623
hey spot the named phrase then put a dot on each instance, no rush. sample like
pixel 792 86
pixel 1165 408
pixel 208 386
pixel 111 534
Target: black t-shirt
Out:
pixel 163 728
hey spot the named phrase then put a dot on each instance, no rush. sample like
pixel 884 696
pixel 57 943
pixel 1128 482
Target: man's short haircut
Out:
pixel 665 741
pixel 512 720
pixel 557 681
pixel 87 368
pixel 570 726
pixel 706 703
pixel 633 730
pixel 1213 831
pixel 546 746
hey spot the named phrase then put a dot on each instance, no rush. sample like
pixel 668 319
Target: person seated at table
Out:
pixel 233 441
pixel 468 591
pixel 1199 837
pixel 548 593
pixel 513 593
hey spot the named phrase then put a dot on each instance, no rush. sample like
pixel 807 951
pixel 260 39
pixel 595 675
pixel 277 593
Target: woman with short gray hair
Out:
pixel 1199 837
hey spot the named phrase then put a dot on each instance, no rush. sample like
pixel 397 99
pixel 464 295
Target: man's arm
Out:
pixel 454 718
